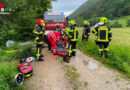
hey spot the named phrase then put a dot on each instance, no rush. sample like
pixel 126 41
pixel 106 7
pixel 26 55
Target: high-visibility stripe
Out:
pixel 107 49
pixel 70 51
pixel 100 50
pixel 110 31
pixel 73 49
pixel 41 42
pixel 95 32
pixel 38 42
pixel 73 39
pixel 34 31
pixel 70 36
pixel 38 53
pixel 74 34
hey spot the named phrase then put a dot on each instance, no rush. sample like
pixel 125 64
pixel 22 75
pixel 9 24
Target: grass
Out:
pixel 85 84
pixel 8 66
pixel 73 75
pixel 119 56
pixel 122 21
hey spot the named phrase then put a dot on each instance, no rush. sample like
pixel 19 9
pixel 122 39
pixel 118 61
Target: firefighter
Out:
pixel 73 37
pixel 39 38
pixel 58 28
pixel 104 35
pixel 86 31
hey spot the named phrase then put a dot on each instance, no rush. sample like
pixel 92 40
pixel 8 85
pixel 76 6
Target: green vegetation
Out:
pixel 97 8
pixel 85 84
pixel 119 56
pixel 122 22
pixel 73 75
pixel 22 19
pixel 9 63
pixel 18 26
pixel 117 11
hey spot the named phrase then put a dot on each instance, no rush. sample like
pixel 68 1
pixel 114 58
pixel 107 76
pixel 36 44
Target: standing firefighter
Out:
pixel 104 35
pixel 73 37
pixel 39 39
pixel 86 31
pixel 58 28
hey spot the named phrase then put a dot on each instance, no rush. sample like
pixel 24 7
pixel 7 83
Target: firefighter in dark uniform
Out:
pixel 86 31
pixel 58 28
pixel 39 38
pixel 104 35
pixel 73 37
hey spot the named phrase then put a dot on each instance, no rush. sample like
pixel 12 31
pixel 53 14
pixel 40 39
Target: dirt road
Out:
pixel 50 75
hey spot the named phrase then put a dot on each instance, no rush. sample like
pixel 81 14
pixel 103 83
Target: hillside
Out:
pixel 97 8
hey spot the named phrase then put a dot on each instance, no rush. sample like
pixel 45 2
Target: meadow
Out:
pixel 119 55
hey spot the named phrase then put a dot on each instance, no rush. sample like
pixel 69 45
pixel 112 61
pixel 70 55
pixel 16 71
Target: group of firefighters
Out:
pixel 70 35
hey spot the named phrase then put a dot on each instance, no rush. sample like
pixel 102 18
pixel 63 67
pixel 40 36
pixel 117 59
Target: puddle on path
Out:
pixel 92 65
pixel 80 59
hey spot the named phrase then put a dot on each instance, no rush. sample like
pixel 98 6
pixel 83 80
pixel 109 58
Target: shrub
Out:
pixel 116 25
pixel 128 23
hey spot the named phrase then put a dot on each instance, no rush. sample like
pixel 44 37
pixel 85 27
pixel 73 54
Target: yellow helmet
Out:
pixel 72 22
pixel 103 19
pixel 85 22
pixel 58 24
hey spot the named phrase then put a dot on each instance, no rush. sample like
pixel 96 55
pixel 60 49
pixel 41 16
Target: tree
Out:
pixel 22 18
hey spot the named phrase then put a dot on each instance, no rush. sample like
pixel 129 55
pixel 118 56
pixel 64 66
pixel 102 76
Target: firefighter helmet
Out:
pixel 85 22
pixel 39 21
pixel 103 19
pixel 58 24
pixel 72 22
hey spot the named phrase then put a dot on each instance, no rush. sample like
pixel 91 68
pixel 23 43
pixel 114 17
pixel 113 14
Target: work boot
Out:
pixel 66 59
pixel 100 54
pixel 73 53
pixel 40 58
pixel 106 54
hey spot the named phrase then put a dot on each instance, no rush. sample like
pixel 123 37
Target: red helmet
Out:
pixel 39 21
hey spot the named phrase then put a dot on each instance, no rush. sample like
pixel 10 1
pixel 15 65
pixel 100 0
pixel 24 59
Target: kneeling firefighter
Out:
pixel 73 37
pixel 104 35
pixel 86 31
pixel 39 38
pixel 53 38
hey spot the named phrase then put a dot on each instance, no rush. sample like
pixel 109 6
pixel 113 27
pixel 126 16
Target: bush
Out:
pixel 128 23
pixel 93 21
pixel 116 25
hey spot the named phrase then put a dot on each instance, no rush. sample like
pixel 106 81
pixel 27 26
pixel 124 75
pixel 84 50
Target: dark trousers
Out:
pixel 85 37
pixel 103 48
pixel 39 51
pixel 72 48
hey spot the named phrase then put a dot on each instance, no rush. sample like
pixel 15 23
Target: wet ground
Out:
pixel 49 75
